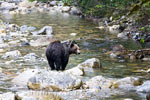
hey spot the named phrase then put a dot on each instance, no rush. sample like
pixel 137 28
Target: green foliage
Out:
pixel 142 40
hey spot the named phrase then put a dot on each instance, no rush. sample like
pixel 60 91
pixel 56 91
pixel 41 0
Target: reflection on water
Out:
pixel 90 40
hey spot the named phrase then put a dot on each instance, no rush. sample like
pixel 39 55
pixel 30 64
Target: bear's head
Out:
pixel 73 48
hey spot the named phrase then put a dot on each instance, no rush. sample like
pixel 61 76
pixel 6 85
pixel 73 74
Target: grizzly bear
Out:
pixel 58 53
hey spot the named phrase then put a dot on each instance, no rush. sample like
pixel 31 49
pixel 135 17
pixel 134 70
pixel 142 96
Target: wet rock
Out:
pixel 75 11
pixel 53 3
pixel 43 41
pixel 37 95
pixel 27 4
pixel 76 71
pixel 7 96
pixel 32 57
pixel 54 81
pixel 113 55
pixel 98 82
pixel 23 77
pixel 46 30
pixel 13 27
pixel 1 40
pixel 25 28
pixel 14 42
pixel 127 83
pixel 60 3
pixel 4 45
pixel 73 34
pixel 65 9
pixel 144 88
pixel 8 6
pixel 122 36
pixel 92 63
pixel 12 54
pixel 114 29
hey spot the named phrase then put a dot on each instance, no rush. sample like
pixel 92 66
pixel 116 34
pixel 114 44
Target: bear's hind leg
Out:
pixel 51 64
pixel 58 64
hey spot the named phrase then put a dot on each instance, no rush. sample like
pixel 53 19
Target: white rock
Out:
pixel 75 11
pixel 12 54
pixel 122 36
pixel 66 9
pixel 53 3
pixel 23 77
pixel 92 63
pixel 73 34
pixel 27 3
pixel 76 71
pixel 114 29
pixel 7 96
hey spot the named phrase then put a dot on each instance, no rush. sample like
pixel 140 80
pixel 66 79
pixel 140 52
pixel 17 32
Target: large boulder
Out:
pixel 53 81
pixel 144 88
pixel 77 71
pixel 23 77
pixel 27 3
pixel 12 54
pixel 8 6
pixel 7 96
pixel 114 29
pixel 91 63
pixel 75 11
pixel 32 57
pixel 46 30
pixel 127 83
pixel 98 82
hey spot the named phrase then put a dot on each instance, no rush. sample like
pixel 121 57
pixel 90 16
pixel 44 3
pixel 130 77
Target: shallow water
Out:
pixel 91 41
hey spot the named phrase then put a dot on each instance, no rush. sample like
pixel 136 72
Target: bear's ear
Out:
pixel 72 43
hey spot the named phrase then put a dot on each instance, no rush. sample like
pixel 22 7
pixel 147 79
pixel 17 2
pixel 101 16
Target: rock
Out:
pixel 144 88
pixel 73 34
pixel 53 3
pixel 43 41
pixel 32 57
pixel 122 36
pixel 12 54
pixel 60 3
pixel 13 27
pixel 4 45
pixel 46 30
pixel 65 9
pixel 27 4
pixel 114 29
pixel 8 6
pixel 98 82
pixel 25 28
pixel 7 96
pixel 14 42
pixel 54 81
pixel 23 77
pixel 1 40
pixel 37 95
pixel 127 83
pixel 76 71
pixel 92 63
pixel 128 99
pixel 75 11
pixel 2 50
pixel 113 55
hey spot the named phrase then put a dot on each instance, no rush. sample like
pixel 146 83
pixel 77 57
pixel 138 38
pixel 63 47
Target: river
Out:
pixel 92 43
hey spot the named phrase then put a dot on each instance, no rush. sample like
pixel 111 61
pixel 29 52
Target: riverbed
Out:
pixel 91 40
